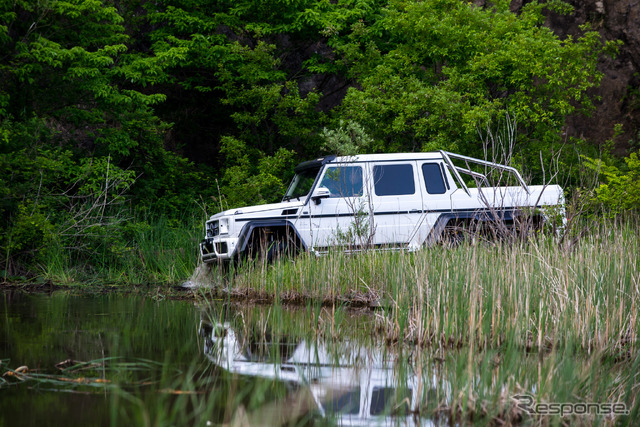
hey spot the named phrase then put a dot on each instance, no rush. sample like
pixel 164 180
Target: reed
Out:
pixel 458 386
pixel 148 250
pixel 536 293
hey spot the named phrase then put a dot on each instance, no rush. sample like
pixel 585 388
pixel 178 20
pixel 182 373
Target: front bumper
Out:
pixel 211 251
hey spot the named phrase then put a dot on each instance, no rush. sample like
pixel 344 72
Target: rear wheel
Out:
pixel 453 236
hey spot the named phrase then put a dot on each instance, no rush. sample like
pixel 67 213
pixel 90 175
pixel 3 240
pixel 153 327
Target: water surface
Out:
pixel 141 360
pixel 133 340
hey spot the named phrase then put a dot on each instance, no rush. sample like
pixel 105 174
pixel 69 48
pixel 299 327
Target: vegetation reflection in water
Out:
pixel 343 379
pixel 138 361
pixel 73 359
pixel 330 360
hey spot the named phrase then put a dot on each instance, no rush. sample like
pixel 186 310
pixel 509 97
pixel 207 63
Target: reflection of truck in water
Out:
pixel 353 386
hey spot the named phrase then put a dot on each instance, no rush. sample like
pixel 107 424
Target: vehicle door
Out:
pixel 341 218
pixel 437 187
pixel 396 200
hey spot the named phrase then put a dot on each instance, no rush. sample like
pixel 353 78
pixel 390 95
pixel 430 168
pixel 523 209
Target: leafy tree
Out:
pixel 246 183
pixel 109 108
pixel 348 139
pixel 77 137
pixel 431 73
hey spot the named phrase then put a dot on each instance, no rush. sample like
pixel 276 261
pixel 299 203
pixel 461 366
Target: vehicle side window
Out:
pixel 390 401
pixel 393 180
pixel 342 401
pixel 433 178
pixel 343 181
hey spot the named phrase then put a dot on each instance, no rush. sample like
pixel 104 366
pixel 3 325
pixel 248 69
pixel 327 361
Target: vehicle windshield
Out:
pixel 301 184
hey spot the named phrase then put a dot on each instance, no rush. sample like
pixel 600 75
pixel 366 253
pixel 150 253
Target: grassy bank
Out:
pixel 534 294
pixel 144 250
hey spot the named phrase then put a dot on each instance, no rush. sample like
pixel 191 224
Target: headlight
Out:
pixel 212 229
pixel 217 227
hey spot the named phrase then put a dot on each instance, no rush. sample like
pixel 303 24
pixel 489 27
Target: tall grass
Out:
pixel 536 294
pixel 147 249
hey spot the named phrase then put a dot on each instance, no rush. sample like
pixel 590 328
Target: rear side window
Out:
pixel 343 181
pixel 393 180
pixel 390 401
pixel 433 178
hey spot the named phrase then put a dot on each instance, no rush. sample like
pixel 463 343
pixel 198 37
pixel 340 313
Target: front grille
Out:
pixel 213 229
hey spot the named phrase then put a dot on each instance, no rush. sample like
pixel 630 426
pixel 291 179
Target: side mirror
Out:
pixel 319 194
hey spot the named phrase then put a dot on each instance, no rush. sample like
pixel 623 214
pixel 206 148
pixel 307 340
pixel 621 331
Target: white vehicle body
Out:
pixel 381 201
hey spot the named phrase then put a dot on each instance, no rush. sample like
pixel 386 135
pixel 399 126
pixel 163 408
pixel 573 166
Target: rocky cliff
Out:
pixel 618 97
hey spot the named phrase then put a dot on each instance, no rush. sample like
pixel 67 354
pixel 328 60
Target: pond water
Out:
pixel 133 360
pixel 84 353
pixel 103 359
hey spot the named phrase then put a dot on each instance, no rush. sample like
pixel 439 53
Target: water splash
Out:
pixel 203 276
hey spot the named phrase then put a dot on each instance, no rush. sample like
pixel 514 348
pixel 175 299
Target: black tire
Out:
pixel 453 236
pixel 279 249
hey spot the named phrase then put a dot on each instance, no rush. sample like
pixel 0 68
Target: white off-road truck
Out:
pixel 384 202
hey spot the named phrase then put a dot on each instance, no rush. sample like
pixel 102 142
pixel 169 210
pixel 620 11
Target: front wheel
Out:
pixel 280 249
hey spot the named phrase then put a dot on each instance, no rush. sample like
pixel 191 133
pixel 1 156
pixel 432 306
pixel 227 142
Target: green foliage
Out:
pixel 30 231
pixel 445 67
pixel 619 190
pixel 265 104
pixel 109 110
pixel 79 143
pixel 253 178
pixel 347 140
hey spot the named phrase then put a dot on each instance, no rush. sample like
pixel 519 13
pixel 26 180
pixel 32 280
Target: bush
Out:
pixel 619 190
